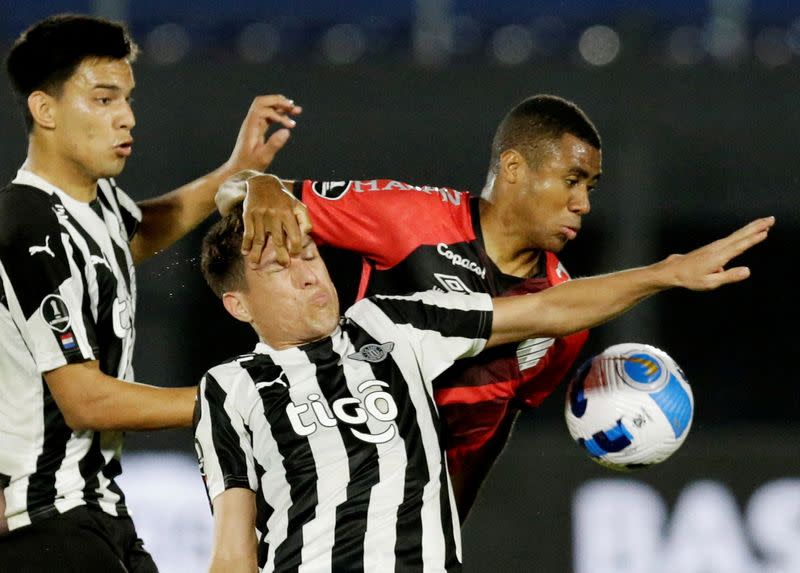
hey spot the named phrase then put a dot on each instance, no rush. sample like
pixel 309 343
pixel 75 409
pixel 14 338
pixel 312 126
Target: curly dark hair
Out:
pixel 221 260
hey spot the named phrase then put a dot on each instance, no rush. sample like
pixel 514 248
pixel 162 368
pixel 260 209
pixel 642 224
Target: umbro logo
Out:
pixel 452 283
pixel 373 352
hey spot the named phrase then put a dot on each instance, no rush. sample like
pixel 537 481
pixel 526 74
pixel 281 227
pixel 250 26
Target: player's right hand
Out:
pixel 270 210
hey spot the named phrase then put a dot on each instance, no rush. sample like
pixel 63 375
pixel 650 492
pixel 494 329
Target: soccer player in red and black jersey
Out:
pixel 545 161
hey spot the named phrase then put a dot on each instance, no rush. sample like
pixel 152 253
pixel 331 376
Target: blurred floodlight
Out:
pixel 167 44
pixel 258 42
pixel 344 44
pixel 512 45
pixel 599 45
pixel 771 48
pixel 793 37
pixel 725 38
pixel 685 46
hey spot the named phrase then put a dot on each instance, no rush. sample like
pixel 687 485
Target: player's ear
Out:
pixel 236 306
pixel 42 108
pixel 511 165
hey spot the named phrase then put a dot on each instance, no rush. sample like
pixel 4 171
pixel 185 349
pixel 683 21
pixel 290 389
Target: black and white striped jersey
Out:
pixel 67 295
pixel 339 438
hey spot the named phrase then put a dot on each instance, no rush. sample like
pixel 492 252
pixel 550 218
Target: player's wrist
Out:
pixel 233 190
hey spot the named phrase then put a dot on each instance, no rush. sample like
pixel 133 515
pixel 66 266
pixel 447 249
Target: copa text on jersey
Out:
pixel 352 411
pixel 458 261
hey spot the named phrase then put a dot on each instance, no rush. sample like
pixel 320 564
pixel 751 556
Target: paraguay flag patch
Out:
pixel 67 341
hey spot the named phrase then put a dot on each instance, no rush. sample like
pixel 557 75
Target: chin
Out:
pixel 113 169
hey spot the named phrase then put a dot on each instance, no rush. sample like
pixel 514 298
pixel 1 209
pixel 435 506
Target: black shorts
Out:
pixel 81 540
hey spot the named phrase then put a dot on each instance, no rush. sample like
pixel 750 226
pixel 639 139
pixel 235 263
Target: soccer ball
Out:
pixel 629 406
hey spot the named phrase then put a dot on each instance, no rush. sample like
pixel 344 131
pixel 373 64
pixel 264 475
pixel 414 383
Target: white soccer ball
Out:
pixel 629 406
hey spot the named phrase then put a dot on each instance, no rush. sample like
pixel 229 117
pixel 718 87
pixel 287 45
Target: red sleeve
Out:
pixel 385 220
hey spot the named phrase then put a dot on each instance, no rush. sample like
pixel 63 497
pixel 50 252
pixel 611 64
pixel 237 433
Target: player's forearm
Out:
pixel 132 406
pixel 233 564
pixel 91 400
pixel 575 305
pixel 235 543
pixel 171 216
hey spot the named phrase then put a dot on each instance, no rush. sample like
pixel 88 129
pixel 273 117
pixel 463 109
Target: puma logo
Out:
pixel 44 249
pixel 277 380
pixel 95 260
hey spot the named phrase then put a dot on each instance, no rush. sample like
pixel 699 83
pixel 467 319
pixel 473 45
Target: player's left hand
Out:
pixel 253 150
pixel 705 268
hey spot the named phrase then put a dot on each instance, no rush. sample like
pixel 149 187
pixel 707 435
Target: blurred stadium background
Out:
pixel 697 103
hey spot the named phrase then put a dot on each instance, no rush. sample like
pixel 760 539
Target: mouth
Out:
pixel 570 232
pixel 124 149
pixel 321 298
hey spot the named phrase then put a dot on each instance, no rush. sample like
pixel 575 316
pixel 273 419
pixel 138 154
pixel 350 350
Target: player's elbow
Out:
pixel 76 421
pixel 82 418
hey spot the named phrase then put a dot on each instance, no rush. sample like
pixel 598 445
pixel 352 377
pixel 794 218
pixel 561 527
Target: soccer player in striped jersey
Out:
pixel 546 160
pixel 69 240
pixel 320 448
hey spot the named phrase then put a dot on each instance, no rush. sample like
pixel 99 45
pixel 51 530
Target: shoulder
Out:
pixel 384 190
pixel 27 213
pixel 229 369
pixel 18 199
pixel 245 369
pixel 418 307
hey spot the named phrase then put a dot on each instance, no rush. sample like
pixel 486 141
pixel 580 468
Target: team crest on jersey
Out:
pixel 373 352
pixel 331 189
pixel 55 313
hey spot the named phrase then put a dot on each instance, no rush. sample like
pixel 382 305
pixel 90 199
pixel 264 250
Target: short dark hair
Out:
pixel 221 260
pixel 46 55
pixel 537 120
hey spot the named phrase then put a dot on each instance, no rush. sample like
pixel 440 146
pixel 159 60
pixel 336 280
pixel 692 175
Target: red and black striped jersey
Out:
pixel 416 238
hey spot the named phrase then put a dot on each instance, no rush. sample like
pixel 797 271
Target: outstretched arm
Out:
pixel 235 544
pixel 92 400
pixel 167 218
pixel 585 303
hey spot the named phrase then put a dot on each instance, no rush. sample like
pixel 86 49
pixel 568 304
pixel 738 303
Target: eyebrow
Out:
pixel 110 87
pixel 580 172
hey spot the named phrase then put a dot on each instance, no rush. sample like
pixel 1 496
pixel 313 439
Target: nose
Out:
pixel 579 200
pixel 126 118
pixel 303 273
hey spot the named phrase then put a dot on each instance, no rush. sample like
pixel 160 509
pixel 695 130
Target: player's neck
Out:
pixel 60 172
pixel 504 246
